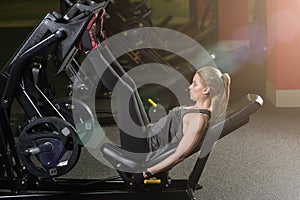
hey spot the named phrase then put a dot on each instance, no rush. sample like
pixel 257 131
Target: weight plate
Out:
pixel 48 147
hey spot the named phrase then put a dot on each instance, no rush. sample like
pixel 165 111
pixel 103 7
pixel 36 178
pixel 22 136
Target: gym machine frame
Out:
pixel 19 80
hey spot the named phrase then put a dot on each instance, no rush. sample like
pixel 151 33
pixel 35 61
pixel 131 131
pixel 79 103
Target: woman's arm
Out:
pixel 193 127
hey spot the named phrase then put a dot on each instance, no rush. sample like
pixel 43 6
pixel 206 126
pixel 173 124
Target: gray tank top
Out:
pixel 169 129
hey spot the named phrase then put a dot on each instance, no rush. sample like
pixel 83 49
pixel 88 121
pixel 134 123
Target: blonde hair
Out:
pixel 219 85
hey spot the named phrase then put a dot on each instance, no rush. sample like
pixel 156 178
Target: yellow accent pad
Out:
pixel 152 102
pixel 152 181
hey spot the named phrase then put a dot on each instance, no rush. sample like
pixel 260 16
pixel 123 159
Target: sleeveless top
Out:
pixel 168 131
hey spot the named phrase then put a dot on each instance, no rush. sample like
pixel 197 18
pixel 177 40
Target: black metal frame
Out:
pixel 18 80
pixel 55 35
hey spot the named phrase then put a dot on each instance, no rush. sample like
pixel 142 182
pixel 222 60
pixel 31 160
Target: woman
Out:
pixel 185 125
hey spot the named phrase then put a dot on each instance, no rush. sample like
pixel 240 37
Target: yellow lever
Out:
pixel 152 102
pixel 152 181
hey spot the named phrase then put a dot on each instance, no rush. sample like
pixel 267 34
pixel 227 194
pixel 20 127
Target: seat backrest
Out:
pixel 238 117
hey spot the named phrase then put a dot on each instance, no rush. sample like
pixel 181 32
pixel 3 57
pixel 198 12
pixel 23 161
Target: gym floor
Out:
pixel 258 161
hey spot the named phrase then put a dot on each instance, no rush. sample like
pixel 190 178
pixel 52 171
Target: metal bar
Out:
pixel 93 189
pixel 18 66
pixel 6 155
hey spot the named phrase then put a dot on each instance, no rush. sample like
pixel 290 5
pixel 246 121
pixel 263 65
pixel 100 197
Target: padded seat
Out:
pixel 238 116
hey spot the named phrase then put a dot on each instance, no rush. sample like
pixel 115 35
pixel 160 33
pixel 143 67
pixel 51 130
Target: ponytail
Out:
pixel 227 82
pixel 219 84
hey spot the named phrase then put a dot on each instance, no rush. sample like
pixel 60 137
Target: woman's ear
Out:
pixel 206 90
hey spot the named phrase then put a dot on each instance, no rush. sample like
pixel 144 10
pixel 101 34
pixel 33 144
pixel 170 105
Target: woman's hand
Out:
pixel 147 174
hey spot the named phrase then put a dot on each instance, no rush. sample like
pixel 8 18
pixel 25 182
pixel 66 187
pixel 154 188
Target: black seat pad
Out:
pixel 238 116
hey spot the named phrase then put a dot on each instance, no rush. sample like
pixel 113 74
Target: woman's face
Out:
pixel 197 88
